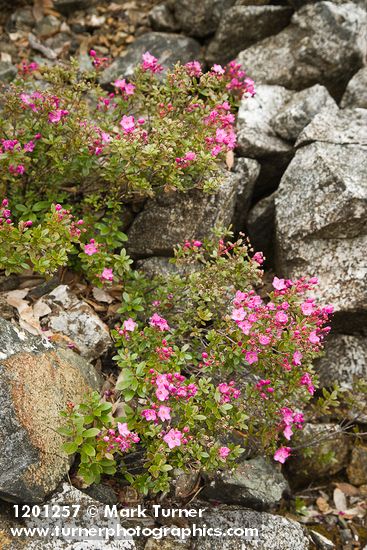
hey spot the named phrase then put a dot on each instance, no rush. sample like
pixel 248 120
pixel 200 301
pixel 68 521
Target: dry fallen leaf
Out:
pixel 230 160
pixel 348 489
pixel 101 295
pixel 322 504
pixel 339 500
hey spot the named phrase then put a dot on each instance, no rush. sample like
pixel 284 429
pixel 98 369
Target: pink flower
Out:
pixel 173 438
pixel 20 169
pixel 307 308
pixel 149 414
pixel 198 244
pixel 28 147
pixel 193 68
pixel 281 317
pixel 159 322
pixel 162 393
pixel 279 284
pixel 218 69
pixel 297 356
pixel 288 432
pixel 238 314
pixel 123 429
pixel 150 63
pixel 128 124
pixel 313 338
pixel 129 325
pixel 124 86
pixel 306 380
pixel 258 257
pixel 264 340
pixel 190 155
pixel 107 274
pixel 164 413
pixel 224 452
pixel 251 357
pixel 90 248
pixel 282 454
pixel 56 116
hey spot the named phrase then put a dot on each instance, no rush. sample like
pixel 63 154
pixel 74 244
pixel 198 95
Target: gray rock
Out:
pixel 68 495
pixel 47 26
pixel 295 115
pixel 328 453
pixel 357 468
pixel 161 19
pixel 274 532
pixel 168 48
pixel 261 227
pixel 248 171
pixel 325 43
pixel 171 218
pixel 200 18
pixel 7 71
pixel 255 483
pixel 324 193
pixel 21 20
pixel 76 319
pixel 337 126
pixel 256 137
pixel 161 266
pixel 36 382
pixel 245 25
pixel 67 7
pixel 345 360
pixel 355 94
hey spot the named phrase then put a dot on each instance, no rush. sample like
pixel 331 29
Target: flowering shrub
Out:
pixel 203 357
pixel 64 135
pixel 49 245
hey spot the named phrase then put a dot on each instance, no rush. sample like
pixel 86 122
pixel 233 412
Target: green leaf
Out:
pixel 91 432
pixel 70 448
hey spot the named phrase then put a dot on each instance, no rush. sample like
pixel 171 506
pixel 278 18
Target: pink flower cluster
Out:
pixel 164 352
pixel 158 322
pixel 193 68
pixel 162 413
pixel 239 81
pixel 5 218
pixel 172 385
pixel 222 121
pixel 228 392
pixel 290 418
pixel 186 160
pixel 98 62
pixel 125 88
pixel 119 440
pixel 150 63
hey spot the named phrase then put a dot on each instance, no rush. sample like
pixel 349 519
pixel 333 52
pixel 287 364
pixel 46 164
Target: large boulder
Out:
pixel 255 483
pixel 169 48
pixel 297 113
pixel 324 194
pixel 199 18
pixel 245 25
pixel 345 360
pixel 325 43
pixel 355 94
pixel 171 218
pixel 76 532
pixel 7 72
pixel 36 382
pixel 273 532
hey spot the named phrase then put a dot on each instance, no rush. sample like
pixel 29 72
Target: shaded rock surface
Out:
pixel 357 468
pixel 321 225
pixel 329 453
pixel 36 382
pixel 76 319
pixel 355 94
pixel 167 47
pixel 255 483
pixel 242 26
pixel 7 71
pixel 345 360
pixel 325 43
pixel 162 19
pixel 275 532
pixel 297 113
pixel 199 18
pixel 170 219
pixel 261 227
